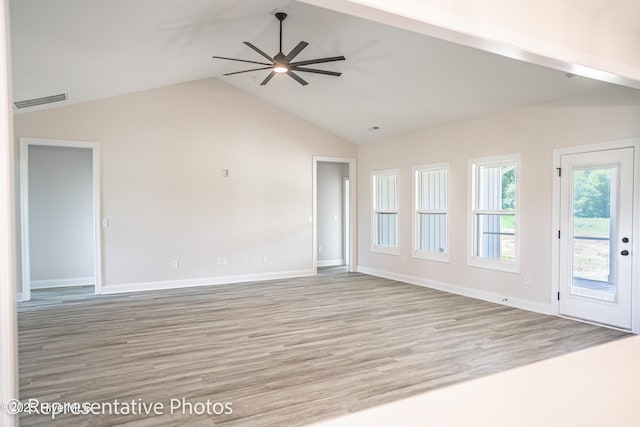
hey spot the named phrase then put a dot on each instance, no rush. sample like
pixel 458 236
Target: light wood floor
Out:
pixel 285 353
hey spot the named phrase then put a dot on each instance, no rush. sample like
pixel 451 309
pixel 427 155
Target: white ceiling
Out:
pixel 394 79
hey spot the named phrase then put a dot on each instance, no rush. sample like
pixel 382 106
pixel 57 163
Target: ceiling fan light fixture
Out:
pixel 280 63
pixel 284 64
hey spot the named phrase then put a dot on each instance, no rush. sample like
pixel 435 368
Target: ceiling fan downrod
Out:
pixel 281 16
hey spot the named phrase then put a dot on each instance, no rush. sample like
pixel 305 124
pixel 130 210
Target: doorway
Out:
pixel 596 236
pixel 60 226
pixel 333 212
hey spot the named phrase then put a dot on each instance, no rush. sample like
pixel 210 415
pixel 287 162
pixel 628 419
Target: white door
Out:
pixel 596 206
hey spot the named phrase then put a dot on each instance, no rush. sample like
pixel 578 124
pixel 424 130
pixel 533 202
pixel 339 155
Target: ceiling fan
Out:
pixel 281 63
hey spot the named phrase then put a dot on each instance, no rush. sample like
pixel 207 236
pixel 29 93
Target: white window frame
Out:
pixel 391 250
pixel 473 211
pixel 417 171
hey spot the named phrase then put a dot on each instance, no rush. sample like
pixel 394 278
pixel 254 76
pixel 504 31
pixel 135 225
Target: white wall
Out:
pixel 163 191
pixel 60 216
pixel 533 131
pixel 330 212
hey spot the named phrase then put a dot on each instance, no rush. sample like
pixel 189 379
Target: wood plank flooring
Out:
pixel 284 353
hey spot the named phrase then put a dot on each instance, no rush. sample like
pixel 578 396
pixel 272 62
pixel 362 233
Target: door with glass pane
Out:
pixel 595 236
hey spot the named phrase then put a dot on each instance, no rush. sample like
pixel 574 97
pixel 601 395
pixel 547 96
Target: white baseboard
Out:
pixel 461 290
pixel 330 262
pixel 205 281
pixel 62 283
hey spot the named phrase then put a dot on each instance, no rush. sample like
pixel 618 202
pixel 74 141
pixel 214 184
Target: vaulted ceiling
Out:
pixel 392 78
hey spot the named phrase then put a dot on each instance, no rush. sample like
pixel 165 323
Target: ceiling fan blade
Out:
pixel 247 71
pixel 317 61
pixel 241 60
pixel 269 77
pixel 314 70
pixel 259 51
pixel 296 50
pixel 297 78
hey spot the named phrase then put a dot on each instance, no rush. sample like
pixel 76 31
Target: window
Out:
pixel 430 204
pixel 494 191
pixel 385 211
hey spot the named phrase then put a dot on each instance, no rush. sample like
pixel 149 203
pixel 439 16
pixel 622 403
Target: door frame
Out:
pixel 635 247
pixel 351 256
pixel 25 143
pixel 346 219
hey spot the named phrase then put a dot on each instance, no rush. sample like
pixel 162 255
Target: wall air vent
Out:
pixel 41 101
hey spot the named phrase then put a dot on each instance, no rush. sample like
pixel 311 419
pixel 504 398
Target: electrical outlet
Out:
pixel 225 260
pixel 105 222
pixel 320 249
pixel 174 263
pixel 245 259
pixel 527 279
pixel 219 260
pixel 265 258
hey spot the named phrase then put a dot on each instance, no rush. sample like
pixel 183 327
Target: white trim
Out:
pixel 24 206
pixel 330 262
pixel 204 281
pixel 388 250
pixel 482 262
pixel 600 146
pixel 24 229
pixel 415 252
pixel 507 300
pixel 346 219
pixel 62 283
pixel 555 221
pixel 353 244
pixel 8 328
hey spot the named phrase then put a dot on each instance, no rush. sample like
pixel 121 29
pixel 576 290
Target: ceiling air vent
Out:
pixel 41 101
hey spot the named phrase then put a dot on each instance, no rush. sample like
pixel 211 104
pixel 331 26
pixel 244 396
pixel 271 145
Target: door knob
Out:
pixel 624 253
pixel 625 240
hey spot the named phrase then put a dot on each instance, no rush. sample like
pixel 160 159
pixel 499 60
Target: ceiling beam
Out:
pixel 557 35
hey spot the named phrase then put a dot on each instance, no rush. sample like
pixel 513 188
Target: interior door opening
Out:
pixel 333 207
pixel 59 218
